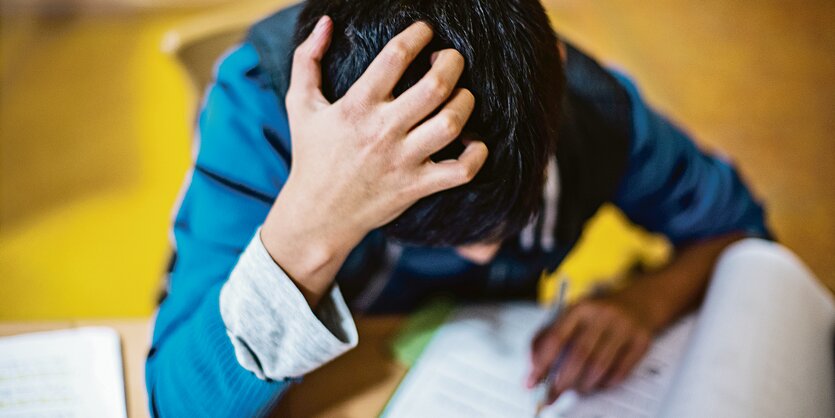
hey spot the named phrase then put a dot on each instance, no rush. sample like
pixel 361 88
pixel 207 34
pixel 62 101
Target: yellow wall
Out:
pixel 94 148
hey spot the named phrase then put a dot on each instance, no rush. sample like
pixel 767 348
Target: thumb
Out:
pixel 306 73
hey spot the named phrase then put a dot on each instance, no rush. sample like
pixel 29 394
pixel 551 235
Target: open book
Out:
pixel 761 346
pixel 68 373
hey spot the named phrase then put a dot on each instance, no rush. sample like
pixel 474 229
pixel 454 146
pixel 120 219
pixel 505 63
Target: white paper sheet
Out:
pixel 67 373
pixel 477 362
pixel 763 346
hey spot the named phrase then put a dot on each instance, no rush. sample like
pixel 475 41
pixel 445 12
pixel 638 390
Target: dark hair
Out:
pixel 513 69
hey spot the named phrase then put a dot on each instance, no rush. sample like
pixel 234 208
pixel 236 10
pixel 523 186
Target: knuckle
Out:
pixel 301 52
pixel 388 129
pixel 466 173
pixel 436 88
pixel 352 107
pixel 585 309
pixel 421 151
pixel 392 124
pixel 600 365
pixel 407 193
pixel 448 124
pixel 396 53
pixel 583 350
pixel 598 369
pixel 608 312
pixel 387 165
pixel 291 99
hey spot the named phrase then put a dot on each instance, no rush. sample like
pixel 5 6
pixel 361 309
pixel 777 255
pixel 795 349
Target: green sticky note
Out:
pixel 418 330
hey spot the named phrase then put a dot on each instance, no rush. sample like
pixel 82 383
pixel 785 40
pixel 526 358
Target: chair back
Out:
pixel 199 42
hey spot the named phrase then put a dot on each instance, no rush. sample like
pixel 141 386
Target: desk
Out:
pixel 135 336
pixel 357 384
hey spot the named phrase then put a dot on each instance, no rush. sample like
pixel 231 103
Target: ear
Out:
pixel 480 253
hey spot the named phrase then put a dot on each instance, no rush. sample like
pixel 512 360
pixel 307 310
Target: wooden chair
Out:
pixel 198 43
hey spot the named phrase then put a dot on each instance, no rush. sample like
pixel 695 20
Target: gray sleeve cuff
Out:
pixel 275 333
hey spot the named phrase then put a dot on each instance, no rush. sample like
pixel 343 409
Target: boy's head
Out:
pixel 513 69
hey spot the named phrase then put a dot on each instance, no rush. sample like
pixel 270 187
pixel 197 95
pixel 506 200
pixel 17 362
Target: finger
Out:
pixel 434 134
pixel 545 349
pixel 384 72
pixel 584 346
pixel 432 90
pixel 633 353
pixel 306 73
pixel 447 174
pixel 604 358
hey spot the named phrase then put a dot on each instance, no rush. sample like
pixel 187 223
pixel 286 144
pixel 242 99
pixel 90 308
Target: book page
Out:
pixel 763 346
pixel 67 373
pixel 477 362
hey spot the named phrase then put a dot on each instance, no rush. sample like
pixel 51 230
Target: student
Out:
pixel 460 154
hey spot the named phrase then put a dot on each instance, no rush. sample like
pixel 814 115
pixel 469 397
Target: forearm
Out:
pixel 309 247
pixel 234 348
pixel 658 298
pixel 360 162
pixel 191 369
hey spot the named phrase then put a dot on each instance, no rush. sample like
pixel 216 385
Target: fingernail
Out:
pixel 530 382
pixel 433 57
pixel 320 25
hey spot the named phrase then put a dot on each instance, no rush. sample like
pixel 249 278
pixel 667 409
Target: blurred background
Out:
pixel 96 116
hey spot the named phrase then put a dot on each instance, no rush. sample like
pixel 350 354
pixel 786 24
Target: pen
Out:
pixel 544 387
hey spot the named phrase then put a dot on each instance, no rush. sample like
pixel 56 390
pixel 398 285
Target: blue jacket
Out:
pixel 665 183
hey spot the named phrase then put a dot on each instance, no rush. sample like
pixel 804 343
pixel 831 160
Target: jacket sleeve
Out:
pixel 234 331
pixel 674 188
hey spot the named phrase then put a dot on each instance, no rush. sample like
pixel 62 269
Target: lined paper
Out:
pixel 761 346
pixel 477 363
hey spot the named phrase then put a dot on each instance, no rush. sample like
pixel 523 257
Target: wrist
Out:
pixel 309 248
pixel 646 304
pixel 300 255
pixel 662 296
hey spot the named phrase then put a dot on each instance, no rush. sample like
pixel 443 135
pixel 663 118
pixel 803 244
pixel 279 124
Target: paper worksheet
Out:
pixel 477 363
pixel 761 346
pixel 62 374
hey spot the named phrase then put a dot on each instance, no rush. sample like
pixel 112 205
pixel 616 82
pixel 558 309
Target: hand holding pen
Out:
pixel 591 345
pixel 544 387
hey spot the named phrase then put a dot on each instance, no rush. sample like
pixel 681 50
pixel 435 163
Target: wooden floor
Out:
pixel 752 80
pixel 94 131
